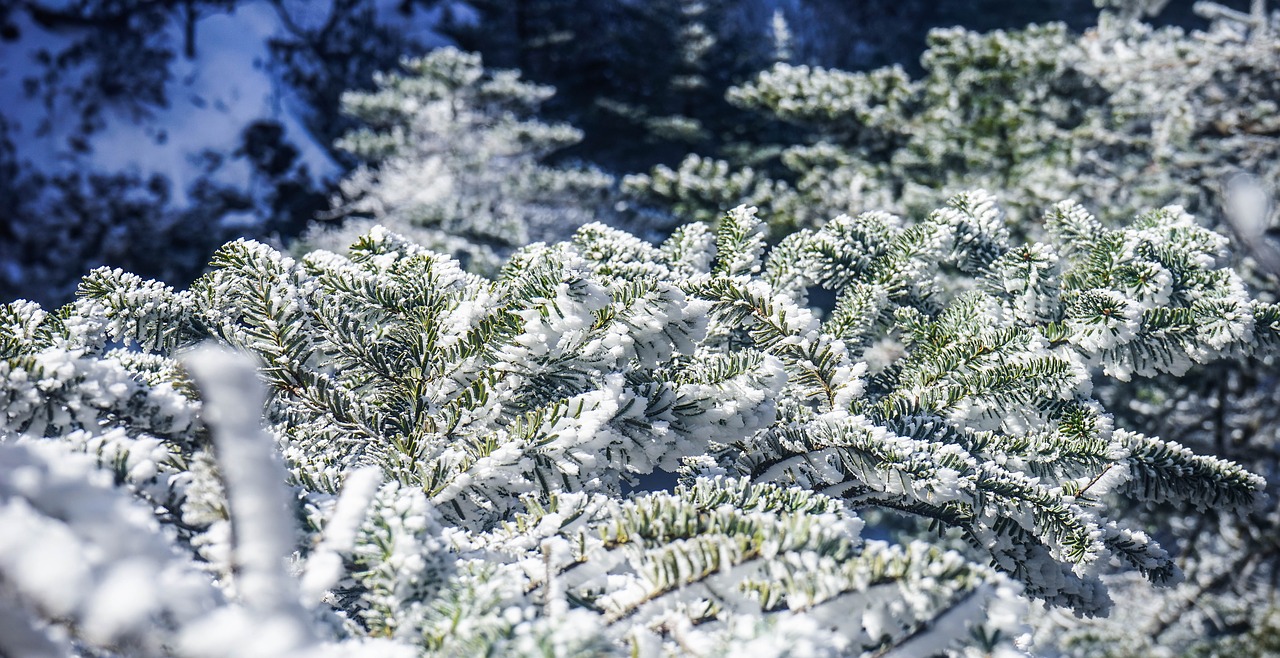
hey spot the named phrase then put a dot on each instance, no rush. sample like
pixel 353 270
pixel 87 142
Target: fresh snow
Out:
pixel 232 82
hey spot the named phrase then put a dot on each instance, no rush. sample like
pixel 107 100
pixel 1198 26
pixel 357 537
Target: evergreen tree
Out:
pixel 1126 114
pixel 455 162
pixel 462 451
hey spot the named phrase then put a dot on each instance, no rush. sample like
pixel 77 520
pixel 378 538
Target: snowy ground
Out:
pixel 230 83
pixel 180 108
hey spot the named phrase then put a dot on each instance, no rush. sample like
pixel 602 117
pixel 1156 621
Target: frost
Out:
pixel 388 453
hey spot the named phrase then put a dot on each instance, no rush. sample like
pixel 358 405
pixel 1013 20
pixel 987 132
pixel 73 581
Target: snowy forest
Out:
pixel 776 328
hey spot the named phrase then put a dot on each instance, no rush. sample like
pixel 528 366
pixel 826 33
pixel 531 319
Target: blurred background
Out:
pixel 142 134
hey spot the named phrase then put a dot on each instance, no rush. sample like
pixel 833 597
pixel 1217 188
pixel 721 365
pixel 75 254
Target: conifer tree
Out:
pixel 1125 114
pixel 462 451
pixel 454 161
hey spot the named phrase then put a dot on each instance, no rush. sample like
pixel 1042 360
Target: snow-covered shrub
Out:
pixel 454 162
pixel 1125 114
pixel 646 80
pixel 1129 116
pixel 464 452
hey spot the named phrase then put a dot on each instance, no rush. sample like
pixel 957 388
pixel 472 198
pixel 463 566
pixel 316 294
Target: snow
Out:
pixel 123 602
pixel 324 567
pixel 207 108
pixel 20 637
pixel 232 82
pixel 254 478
